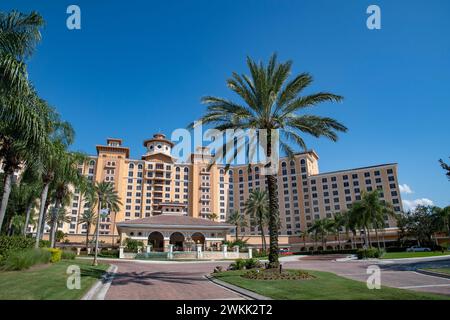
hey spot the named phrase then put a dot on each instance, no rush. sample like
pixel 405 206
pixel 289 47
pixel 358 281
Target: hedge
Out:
pixel 9 244
pixel 23 259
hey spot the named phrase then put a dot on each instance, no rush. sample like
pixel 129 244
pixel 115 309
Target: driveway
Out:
pixel 185 280
pixel 398 274
pixel 166 281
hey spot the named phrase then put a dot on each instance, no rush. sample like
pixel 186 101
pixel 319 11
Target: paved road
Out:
pixel 180 281
pixel 168 281
pixel 399 274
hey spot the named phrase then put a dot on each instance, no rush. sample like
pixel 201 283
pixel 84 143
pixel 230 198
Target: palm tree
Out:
pixel 337 223
pixel 257 207
pixel 321 227
pixel 272 103
pixel 88 217
pixel 213 216
pixel 66 174
pixel 369 213
pixel 303 235
pixel 106 195
pixel 237 219
pixel 21 128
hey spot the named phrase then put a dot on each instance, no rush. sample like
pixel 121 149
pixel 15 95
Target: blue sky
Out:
pixel 137 67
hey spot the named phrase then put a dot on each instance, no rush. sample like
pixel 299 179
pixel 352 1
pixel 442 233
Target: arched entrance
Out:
pixel 177 239
pixel 156 239
pixel 198 238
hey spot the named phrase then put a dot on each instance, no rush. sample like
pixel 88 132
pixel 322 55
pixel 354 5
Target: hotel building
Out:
pixel 157 184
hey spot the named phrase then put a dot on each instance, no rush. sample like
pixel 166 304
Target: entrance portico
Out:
pixel 184 233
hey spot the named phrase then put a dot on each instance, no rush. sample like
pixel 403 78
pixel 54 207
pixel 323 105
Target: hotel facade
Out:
pixel 158 184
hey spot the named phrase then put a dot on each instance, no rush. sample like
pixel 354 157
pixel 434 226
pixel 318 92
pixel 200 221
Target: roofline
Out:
pixel 353 169
pixel 171 226
pixel 127 150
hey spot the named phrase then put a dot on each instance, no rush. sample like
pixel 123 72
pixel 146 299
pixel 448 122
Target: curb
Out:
pixel 244 292
pixel 99 289
pixel 434 274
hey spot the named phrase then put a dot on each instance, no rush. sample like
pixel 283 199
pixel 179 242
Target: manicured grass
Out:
pixel 48 282
pixel 401 255
pixel 439 270
pixel 326 286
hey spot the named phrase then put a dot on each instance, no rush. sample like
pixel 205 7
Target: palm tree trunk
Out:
pixel 54 222
pixel 378 238
pixel 95 263
pixel 6 192
pixel 113 230
pixel 88 226
pixel 27 218
pixel 339 240
pixel 263 237
pixel 237 231
pixel 273 221
pixel 368 238
pixel 41 213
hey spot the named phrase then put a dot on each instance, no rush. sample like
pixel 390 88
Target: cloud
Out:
pixel 412 204
pixel 404 188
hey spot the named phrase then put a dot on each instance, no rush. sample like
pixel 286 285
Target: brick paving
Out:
pixel 174 281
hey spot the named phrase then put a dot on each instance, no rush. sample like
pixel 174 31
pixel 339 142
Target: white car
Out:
pixel 418 249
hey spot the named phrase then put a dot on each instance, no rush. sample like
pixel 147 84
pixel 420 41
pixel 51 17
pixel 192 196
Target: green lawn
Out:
pixel 48 282
pixel 439 270
pixel 326 286
pixel 401 255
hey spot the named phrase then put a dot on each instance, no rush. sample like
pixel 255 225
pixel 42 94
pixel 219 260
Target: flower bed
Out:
pixel 275 274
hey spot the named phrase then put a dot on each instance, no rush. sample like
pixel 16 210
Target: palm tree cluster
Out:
pixel 39 173
pixel 365 215
pixel 271 102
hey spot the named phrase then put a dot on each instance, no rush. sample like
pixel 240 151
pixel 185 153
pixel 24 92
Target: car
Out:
pixel 418 249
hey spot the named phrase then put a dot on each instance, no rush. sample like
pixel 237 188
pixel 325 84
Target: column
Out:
pixel 170 252
pixel 250 253
pixel 199 251
pixel 225 250
pixel 121 255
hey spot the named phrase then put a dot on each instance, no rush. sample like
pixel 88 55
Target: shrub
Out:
pixel 274 274
pixel 59 235
pixel 44 244
pixel 24 259
pixel 55 254
pixel 240 264
pixel 9 244
pixel 109 253
pixel 68 255
pixel 132 245
pixel 239 242
pixel 252 263
pixel 370 253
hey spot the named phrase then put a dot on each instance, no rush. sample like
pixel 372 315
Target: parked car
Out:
pixel 284 252
pixel 418 249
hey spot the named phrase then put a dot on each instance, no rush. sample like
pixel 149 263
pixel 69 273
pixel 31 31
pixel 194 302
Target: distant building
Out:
pixel 156 183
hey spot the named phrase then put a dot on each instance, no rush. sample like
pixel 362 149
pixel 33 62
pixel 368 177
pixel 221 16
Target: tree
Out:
pixel 422 223
pixel 237 219
pixel 257 207
pixel 443 215
pixel 320 228
pixel 303 235
pixel 370 213
pixel 105 195
pixel 446 167
pixel 213 216
pixel 336 225
pixel 273 103
pixel 88 217
pixel 66 175
pixel 21 129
